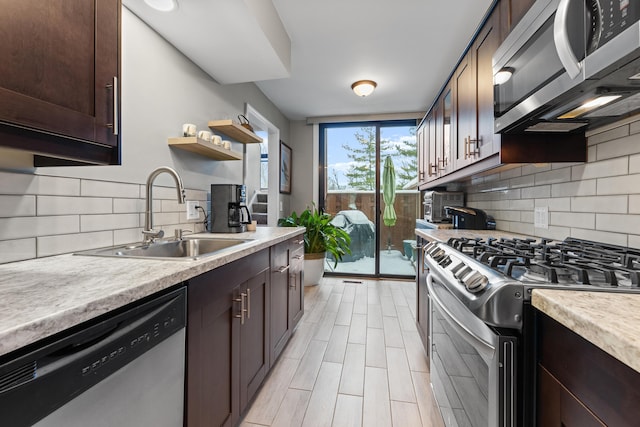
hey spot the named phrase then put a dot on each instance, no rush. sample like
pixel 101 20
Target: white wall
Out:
pixel 305 170
pixel 48 211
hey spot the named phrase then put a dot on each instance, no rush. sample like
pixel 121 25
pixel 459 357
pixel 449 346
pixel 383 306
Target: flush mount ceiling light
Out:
pixel 162 5
pixel 364 87
pixel 503 76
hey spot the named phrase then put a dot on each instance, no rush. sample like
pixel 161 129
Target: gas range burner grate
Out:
pixel 573 261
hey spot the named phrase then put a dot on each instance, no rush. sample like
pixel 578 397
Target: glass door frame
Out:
pixel 322 182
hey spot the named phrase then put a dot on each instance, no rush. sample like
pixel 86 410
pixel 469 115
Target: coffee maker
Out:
pixel 229 212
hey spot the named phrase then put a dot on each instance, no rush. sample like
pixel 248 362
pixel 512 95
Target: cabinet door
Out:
pixel 57 92
pixel 213 349
pixel 254 348
pixel 296 282
pixel 423 150
pixel 422 297
pixel 444 157
pixel 557 407
pixel 487 143
pixel 465 110
pixel 280 329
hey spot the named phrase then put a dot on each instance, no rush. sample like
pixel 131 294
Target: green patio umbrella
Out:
pixel 389 192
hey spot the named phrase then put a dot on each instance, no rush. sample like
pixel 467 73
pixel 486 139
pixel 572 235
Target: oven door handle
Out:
pixel 561 40
pixel 478 343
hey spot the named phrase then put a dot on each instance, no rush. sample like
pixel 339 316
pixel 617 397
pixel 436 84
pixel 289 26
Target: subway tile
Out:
pixel 108 222
pixel 605 168
pixel 553 232
pixel 522 204
pixel 634 127
pixel 500 205
pixel 592 153
pixel 17 250
pixel 200 195
pixel 558 204
pixel 600 236
pixel 578 188
pixel 90 188
pixel 553 176
pixel 634 204
pixel 506 215
pixel 129 205
pixel 61 205
pixel 165 218
pixel 172 206
pixel 527 216
pixel 511 173
pixel 536 192
pixel 535 168
pixel 20 227
pixel 11 206
pixel 164 193
pixel 523 181
pixel 634 164
pixel 601 204
pixel 521 228
pixel 633 241
pixel 19 183
pixel 65 243
pixel 617 223
pixel 510 194
pixel 573 219
pixel 627 184
pixel 609 135
pixel 562 165
pixel 129 235
pixel 619 147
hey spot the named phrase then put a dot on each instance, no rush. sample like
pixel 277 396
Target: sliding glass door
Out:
pixel 377 206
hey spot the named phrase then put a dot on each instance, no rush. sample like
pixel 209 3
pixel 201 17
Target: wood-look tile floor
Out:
pixel 356 359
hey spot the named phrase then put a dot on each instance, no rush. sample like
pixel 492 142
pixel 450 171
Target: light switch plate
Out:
pixel 192 212
pixel 541 217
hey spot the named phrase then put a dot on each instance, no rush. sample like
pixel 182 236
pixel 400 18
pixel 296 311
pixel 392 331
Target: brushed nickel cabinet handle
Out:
pixel 283 269
pixel 248 294
pixel 114 87
pixel 240 299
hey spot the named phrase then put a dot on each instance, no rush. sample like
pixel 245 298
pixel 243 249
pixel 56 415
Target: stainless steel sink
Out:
pixel 187 249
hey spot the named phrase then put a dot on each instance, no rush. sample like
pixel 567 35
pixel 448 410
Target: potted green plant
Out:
pixel 320 237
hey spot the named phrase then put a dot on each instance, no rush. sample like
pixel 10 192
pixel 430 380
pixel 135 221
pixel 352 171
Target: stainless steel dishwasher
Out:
pixel 123 369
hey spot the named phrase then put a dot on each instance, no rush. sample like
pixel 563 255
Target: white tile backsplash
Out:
pixel 598 200
pixel 43 215
pixel 61 205
pixel 11 206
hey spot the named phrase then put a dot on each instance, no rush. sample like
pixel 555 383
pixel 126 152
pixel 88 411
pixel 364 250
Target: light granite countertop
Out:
pixel 607 320
pixel 41 297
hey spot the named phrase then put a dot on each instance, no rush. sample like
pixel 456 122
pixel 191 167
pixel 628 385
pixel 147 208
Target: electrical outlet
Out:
pixel 541 217
pixel 192 212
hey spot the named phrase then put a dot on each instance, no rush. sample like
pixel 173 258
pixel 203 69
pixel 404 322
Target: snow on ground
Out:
pixel 391 262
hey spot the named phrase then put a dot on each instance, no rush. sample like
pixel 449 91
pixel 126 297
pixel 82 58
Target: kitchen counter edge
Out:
pixel 602 318
pixel 44 296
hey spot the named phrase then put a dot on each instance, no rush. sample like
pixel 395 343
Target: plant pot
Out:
pixel 313 268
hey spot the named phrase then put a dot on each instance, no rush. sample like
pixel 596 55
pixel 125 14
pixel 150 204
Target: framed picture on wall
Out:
pixel 285 168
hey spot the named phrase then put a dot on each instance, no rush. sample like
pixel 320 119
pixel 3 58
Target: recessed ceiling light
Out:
pixel 364 87
pixel 162 5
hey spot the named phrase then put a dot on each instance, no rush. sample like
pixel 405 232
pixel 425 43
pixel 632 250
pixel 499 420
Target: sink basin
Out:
pixel 187 249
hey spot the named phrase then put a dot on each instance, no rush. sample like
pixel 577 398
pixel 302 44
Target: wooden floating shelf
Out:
pixel 234 131
pixel 205 148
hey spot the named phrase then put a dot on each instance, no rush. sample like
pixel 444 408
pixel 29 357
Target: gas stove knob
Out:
pixel 461 271
pixel 438 255
pixel 444 262
pixel 476 282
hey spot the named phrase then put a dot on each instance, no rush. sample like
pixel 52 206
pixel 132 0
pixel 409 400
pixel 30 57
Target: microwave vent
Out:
pixel 620 108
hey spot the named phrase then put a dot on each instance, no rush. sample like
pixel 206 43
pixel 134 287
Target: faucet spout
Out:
pixel 149 233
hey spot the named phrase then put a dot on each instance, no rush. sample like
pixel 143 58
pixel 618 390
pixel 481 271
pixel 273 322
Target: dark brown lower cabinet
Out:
pixel 227 340
pixel 422 297
pixel 287 295
pixel 579 385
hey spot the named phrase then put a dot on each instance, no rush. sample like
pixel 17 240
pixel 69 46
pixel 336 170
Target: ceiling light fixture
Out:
pixel 162 5
pixel 503 76
pixel 364 87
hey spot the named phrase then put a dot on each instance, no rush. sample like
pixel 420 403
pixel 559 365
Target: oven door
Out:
pixel 473 367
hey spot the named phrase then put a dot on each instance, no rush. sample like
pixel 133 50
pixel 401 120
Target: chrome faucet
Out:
pixel 149 233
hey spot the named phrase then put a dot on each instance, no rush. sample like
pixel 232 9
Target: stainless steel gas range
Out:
pixel 482 325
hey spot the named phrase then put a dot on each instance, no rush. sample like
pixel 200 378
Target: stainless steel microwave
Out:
pixel 568 65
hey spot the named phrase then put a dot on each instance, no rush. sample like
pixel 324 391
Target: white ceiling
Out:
pixel 408 47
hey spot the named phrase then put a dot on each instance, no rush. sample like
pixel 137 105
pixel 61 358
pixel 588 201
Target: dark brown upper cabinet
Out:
pixel 59 80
